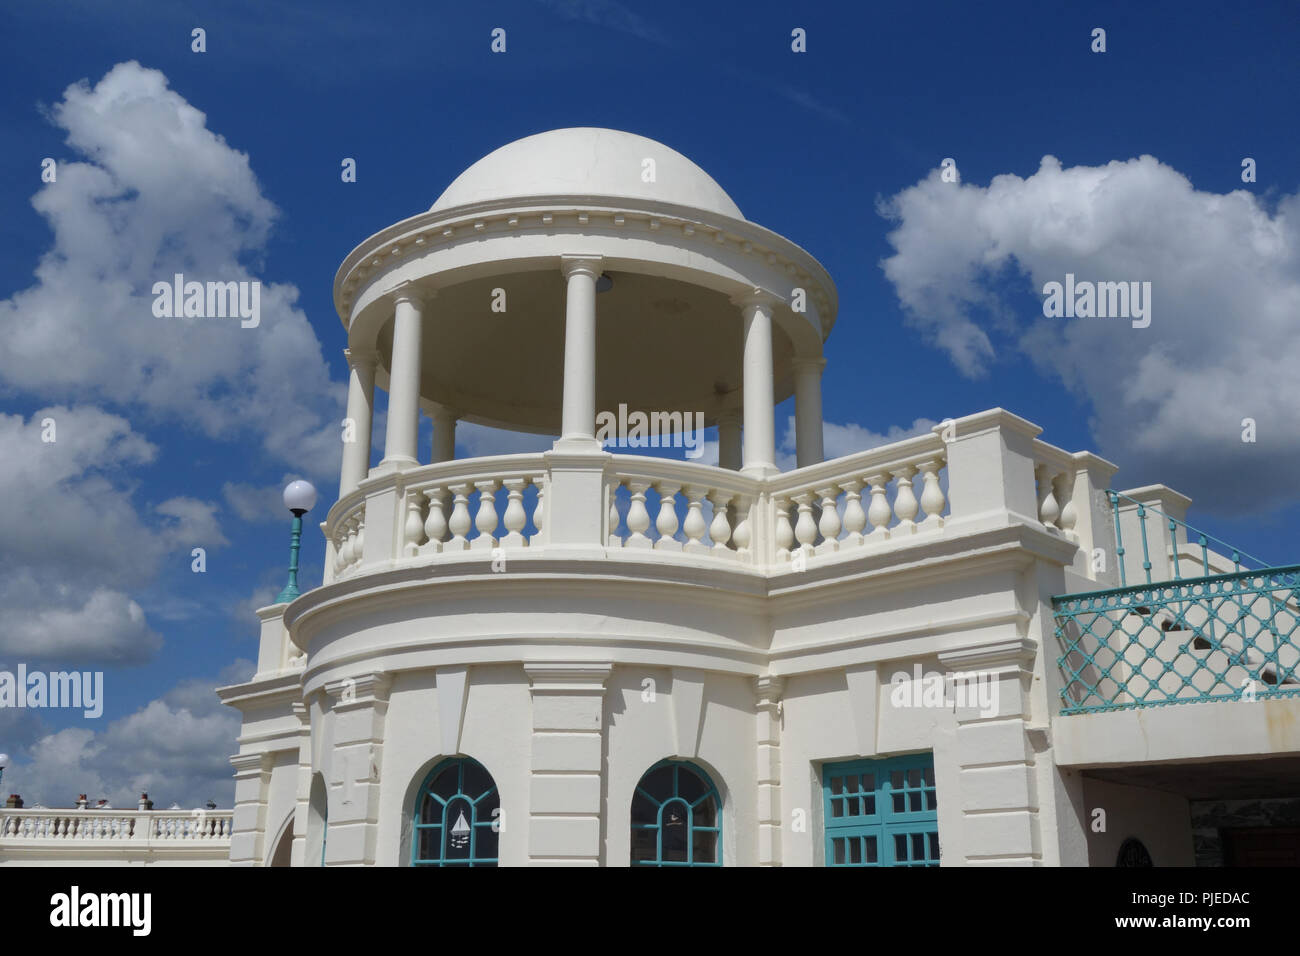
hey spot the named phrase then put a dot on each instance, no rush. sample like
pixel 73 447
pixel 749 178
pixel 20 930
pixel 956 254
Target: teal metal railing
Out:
pixel 1216 637
pixel 1193 534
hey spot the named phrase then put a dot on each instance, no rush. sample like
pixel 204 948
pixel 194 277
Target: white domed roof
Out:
pixel 586 161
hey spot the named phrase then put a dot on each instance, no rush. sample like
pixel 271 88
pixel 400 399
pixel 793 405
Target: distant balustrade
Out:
pixel 149 827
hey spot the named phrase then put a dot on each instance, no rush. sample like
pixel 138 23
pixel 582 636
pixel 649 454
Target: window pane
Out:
pixel 459 817
pixel 934 846
pixel 896 780
pixel 444 785
pixel 486 842
pixel 914 777
pixel 900 802
pixel 855 850
pixel 900 847
pixel 918 846
pixel 674 832
pixel 659 783
pixel 914 799
pixel 477 781
pixel 689 786
pixel 837 807
pixel 931 800
pixel 868 781
pixel 643 811
pixel 705 846
pixel 706 814
pixel 643 846
pixel 430 810
pixel 837 784
pixel 871 849
pixel 837 846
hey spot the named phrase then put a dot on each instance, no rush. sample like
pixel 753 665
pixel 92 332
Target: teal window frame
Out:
pixel 866 813
pixel 489 796
pixel 710 792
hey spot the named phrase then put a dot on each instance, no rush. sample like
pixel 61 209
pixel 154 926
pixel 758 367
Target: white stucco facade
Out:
pixel 573 618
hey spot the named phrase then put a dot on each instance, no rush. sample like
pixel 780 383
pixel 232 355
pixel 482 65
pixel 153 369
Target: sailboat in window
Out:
pixel 460 832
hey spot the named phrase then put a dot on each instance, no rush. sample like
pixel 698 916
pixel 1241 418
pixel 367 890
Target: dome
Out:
pixel 585 161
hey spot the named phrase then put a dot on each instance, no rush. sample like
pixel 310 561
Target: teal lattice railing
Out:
pixel 1193 535
pixel 1217 637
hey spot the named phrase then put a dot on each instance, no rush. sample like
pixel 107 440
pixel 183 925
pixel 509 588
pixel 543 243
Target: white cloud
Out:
pixel 176 747
pixel 474 441
pixel 155 193
pixel 76 540
pixel 847 439
pixel 1168 401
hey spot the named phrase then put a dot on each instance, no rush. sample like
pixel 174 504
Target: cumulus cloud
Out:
pixel 77 540
pixel 176 747
pixel 1168 401
pixel 153 193
pixel 847 439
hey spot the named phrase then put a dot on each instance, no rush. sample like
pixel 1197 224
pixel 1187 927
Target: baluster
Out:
pixel 345 546
pixel 829 525
pixel 435 525
pixel 905 505
pixel 719 527
pixel 1065 495
pixel 459 523
pixel 666 522
pixel 514 518
pixel 1048 509
pixel 805 528
pixel 879 512
pixel 539 510
pixel 695 526
pixel 486 520
pixel 742 535
pixel 615 539
pixel 638 519
pixel 413 526
pixel 340 543
pixel 932 500
pixel 784 532
pixel 359 542
pixel 855 519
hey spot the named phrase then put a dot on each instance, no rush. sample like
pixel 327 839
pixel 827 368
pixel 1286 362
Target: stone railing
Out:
pixel 982 470
pixel 147 828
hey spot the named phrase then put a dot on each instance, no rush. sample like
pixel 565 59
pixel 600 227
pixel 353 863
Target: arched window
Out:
pixel 456 816
pixel 1133 853
pixel 676 817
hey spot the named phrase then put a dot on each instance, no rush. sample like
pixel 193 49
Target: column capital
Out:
pixel 808 363
pixel 756 297
pixel 410 292
pixel 361 357
pixel 589 265
pixel 728 416
pixel 443 412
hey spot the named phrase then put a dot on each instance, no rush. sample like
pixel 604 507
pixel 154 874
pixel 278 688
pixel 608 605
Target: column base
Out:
pixel 390 465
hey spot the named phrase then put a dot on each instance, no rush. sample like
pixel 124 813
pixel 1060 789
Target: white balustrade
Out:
pixel 883 497
pixel 27 828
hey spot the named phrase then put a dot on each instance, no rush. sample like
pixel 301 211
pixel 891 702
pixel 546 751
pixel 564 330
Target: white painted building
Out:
pixel 586 657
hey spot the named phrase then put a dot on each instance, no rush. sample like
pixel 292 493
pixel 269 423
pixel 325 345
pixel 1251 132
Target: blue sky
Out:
pixel 836 148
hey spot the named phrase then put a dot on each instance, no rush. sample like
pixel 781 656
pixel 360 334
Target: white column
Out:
pixel 578 424
pixel 444 434
pixel 360 420
pixel 404 379
pixel 759 437
pixel 729 455
pixel 808 411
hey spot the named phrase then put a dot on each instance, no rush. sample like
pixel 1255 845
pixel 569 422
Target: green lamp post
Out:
pixel 299 498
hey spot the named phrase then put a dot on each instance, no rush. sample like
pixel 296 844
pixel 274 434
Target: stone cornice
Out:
pixel 665 222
